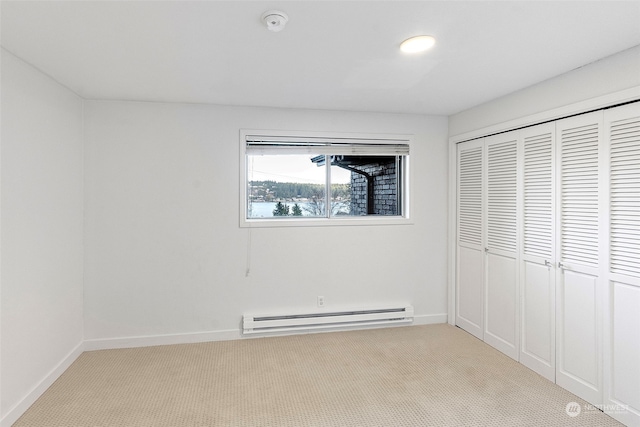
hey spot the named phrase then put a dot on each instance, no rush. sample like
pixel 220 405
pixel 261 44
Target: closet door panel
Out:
pixel 501 289
pixel 537 279
pixel 470 240
pixel 578 336
pixel 579 291
pixel 624 382
pixel 469 290
pixel 538 328
pixel 622 317
pixel 501 327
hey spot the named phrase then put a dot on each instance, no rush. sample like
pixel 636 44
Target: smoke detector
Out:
pixel 275 20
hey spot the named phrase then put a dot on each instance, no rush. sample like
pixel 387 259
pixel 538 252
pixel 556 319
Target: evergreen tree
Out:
pixel 296 211
pixel 281 209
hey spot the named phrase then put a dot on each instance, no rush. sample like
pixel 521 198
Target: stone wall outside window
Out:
pixel 384 189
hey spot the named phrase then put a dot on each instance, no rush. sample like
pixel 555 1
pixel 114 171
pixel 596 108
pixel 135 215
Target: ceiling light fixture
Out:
pixel 417 44
pixel 275 20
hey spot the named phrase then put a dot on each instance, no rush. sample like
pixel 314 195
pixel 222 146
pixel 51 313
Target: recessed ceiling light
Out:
pixel 417 44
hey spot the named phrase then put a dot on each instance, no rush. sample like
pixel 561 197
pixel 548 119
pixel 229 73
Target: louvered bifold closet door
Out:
pixel 470 243
pixel 501 291
pixel 622 317
pixel 579 282
pixel 537 256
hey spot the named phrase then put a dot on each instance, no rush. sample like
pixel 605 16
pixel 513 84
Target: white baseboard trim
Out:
pixel 21 407
pixel 153 340
pixel 223 335
pixel 430 319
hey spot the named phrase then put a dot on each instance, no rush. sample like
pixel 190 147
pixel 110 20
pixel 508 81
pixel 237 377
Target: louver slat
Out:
pixel 470 196
pixel 625 197
pixel 538 196
pixel 579 207
pixel 502 195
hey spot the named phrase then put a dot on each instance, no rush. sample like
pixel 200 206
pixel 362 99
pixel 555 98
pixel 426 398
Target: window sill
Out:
pixel 324 222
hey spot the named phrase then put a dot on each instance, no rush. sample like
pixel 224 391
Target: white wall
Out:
pixel 606 76
pixel 164 251
pixel 42 239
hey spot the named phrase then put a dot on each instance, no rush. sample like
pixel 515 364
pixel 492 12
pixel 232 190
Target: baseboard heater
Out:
pixel 253 324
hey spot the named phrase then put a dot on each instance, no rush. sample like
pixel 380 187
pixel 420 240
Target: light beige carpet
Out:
pixel 434 375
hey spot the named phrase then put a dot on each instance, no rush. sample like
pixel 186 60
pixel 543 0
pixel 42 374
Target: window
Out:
pixel 311 179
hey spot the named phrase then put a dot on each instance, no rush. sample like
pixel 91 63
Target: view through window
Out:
pixel 324 180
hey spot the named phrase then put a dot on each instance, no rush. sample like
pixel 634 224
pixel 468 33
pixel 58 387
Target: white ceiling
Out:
pixel 339 55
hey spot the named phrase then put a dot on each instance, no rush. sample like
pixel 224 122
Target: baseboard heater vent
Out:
pixel 253 324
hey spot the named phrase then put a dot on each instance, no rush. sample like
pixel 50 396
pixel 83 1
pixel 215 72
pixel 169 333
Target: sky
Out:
pixel 292 168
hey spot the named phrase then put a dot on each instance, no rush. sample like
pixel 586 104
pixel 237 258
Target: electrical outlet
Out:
pixel 320 301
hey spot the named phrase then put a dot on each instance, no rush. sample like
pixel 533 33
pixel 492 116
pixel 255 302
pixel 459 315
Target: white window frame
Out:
pixel 350 138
